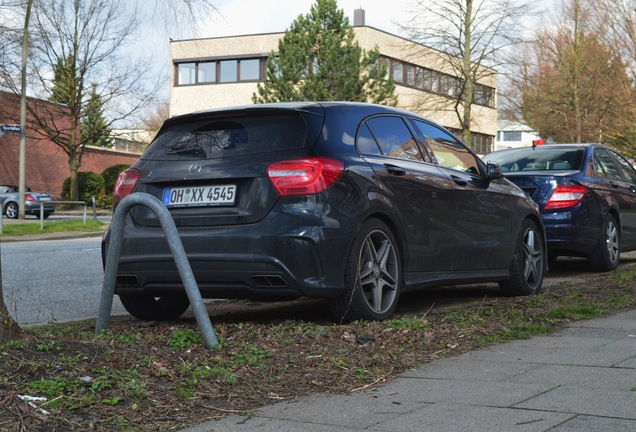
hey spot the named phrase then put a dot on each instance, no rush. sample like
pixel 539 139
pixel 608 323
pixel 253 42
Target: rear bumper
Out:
pixel 34 208
pixel 267 260
pixel 574 233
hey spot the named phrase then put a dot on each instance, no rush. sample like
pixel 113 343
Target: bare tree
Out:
pixel 470 37
pixel 89 38
pixel 615 22
pixel 574 86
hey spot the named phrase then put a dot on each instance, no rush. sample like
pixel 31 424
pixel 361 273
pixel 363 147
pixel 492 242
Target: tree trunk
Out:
pixel 74 183
pixel 9 329
pixel 469 86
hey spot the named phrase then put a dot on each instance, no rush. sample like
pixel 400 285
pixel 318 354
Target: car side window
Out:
pixel 447 151
pixel 366 143
pixel 394 138
pixel 625 167
pixel 604 165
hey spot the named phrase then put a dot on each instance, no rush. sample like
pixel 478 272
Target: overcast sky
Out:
pixel 249 16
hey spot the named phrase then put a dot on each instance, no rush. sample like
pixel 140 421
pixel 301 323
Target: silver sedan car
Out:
pixel 10 201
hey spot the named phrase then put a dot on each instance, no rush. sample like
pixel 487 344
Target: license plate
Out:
pixel 199 196
pixel 44 198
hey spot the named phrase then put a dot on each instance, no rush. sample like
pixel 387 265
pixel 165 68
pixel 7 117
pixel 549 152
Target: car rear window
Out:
pixel 211 138
pixel 554 159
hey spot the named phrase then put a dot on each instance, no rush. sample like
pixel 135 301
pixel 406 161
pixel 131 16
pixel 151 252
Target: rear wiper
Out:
pixel 196 150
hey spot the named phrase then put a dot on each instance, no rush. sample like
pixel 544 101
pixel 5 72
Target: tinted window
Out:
pixel 214 138
pixel 366 143
pixel 625 167
pixel 394 138
pixel 604 165
pixel 446 150
pixel 539 159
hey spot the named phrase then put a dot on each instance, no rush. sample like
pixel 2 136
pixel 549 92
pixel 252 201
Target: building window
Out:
pixel 397 72
pixel 187 73
pixel 228 71
pixel 249 70
pixel 410 75
pixel 428 80
pixel 219 71
pixel 511 136
pixel 206 72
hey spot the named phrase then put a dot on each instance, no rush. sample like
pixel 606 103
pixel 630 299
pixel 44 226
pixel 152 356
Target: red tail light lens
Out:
pixel 29 197
pixel 304 176
pixel 565 196
pixel 125 184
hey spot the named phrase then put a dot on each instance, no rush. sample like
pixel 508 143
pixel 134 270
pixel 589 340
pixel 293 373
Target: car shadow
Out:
pixel 415 302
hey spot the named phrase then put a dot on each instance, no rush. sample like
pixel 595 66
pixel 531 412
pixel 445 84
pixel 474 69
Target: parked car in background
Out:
pixel 351 202
pixel 587 196
pixel 10 197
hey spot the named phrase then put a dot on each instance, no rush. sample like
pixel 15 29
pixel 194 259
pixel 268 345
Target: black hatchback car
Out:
pixel 587 195
pixel 351 202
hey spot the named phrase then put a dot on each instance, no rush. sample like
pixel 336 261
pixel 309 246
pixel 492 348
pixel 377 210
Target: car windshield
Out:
pixel 538 159
pixel 215 138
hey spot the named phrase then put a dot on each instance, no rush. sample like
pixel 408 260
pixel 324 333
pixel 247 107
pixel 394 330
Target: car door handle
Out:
pixel 460 181
pixel 395 170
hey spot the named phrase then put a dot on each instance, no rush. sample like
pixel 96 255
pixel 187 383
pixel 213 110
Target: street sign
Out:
pixel 10 128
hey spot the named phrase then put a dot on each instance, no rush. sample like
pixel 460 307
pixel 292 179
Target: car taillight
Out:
pixel 29 198
pixel 304 176
pixel 125 184
pixel 565 196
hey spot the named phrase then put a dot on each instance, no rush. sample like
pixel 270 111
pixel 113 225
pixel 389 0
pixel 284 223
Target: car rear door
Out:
pixel 484 209
pixel 419 192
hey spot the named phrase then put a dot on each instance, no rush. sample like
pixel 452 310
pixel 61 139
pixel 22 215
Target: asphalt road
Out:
pixel 53 280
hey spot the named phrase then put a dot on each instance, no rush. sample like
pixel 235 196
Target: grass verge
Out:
pixel 139 376
pixel 33 228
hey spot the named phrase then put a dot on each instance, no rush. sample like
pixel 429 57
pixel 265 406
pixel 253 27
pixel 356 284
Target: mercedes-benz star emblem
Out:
pixel 194 169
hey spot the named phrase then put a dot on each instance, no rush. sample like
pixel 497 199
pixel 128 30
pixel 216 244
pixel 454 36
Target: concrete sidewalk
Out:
pixel 582 378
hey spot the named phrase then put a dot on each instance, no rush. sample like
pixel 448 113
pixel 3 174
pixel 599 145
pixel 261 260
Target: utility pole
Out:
pixel 22 163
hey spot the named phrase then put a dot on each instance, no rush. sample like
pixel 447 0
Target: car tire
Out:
pixel 161 308
pixel 11 210
pixel 373 276
pixel 528 262
pixel 606 254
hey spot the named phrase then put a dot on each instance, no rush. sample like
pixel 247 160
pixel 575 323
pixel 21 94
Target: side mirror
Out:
pixel 494 171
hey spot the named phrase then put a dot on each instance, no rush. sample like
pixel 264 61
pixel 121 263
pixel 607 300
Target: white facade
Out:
pixel 199 79
pixel 511 134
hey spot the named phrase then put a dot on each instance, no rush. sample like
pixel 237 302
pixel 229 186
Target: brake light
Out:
pixel 304 176
pixel 565 196
pixel 125 184
pixel 29 198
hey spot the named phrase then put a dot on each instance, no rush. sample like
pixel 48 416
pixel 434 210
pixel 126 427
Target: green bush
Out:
pixel 90 185
pixel 110 175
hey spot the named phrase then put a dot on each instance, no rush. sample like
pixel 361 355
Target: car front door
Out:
pixel 483 208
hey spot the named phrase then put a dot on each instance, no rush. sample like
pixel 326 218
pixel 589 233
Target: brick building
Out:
pixel 46 163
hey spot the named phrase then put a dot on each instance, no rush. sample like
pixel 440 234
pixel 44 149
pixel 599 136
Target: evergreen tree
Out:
pixel 64 79
pixel 94 128
pixel 319 60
